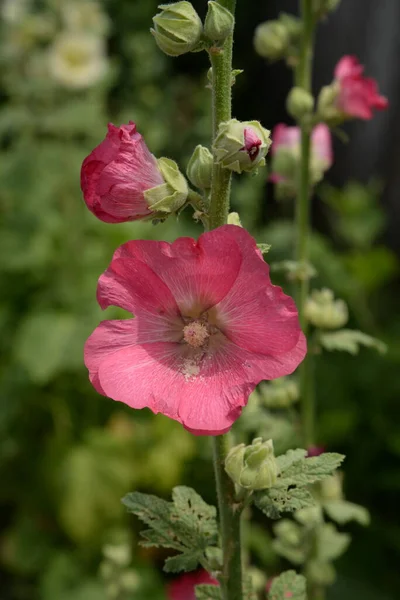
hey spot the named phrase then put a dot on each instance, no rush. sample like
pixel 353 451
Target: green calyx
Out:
pixel 299 103
pixel 169 196
pixel 199 169
pixel 231 145
pixel 253 467
pixel 177 28
pixel 219 23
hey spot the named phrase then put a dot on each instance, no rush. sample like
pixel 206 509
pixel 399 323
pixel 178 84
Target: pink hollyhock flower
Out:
pixel 122 181
pixel 286 144
pixel 209 327
pixel 183 587
pixel 358 95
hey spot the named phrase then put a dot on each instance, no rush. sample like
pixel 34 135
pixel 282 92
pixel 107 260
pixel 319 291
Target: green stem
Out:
pixel 229 510
pixel 221 63
pixel 230 522
pixel 303 228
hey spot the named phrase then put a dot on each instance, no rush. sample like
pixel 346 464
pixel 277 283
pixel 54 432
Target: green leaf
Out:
pixel 342 512
pixel 208 592
pixel 288 585
pixel 275 501
pixel 331 543
pixel 350 340
pixel 264 248
pixel 286 460
pixel 187 524
pixel 187 561
pixel 309 470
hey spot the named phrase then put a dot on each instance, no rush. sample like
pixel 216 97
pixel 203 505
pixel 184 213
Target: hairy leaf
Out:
pixel 288 585
pixel 350 340
pixel 275 501
pixel 310 470
pixel 187 524
pixel 286 460
pixel 342 512
pixel 208 592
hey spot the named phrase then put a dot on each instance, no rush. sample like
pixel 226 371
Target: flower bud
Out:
pixel 279 393
pixel 253 467
pixel 271 40
pixel 322 7
pixel 219 22
pixel 122 181
pixel 171 195
pixel 199 169
pixel 241 146
pixel 300 103
pixel 324 312
pixel 326 104
pixel 177 28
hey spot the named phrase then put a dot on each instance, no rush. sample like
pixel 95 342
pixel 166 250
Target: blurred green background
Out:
pixel 67 455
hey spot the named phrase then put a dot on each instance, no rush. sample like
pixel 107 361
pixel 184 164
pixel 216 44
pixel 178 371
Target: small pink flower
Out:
pixel 358 95
pixel 315 451
pixel 183 588
pixel 287 139
pixel 117 173
pixel 209 327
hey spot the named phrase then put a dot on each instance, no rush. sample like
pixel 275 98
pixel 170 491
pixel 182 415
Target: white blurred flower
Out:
pixel 85 15
pixel 13 11
pixel 77 60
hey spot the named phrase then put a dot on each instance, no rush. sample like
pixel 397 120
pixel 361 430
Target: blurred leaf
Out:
pixel 349 340
pixel 342 512
pixel 208 592
pixel 288 585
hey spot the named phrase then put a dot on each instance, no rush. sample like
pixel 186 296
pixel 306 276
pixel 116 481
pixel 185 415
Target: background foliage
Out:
pixel 67 455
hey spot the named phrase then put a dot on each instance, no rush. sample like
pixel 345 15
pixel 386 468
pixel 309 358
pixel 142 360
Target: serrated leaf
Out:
pixel 275 501
pixel 186 561
pixel 208 592
pixel 288 585
pixel 187 525
pixel 309 470
pixel 343 512
pixel 286 460
pixel 350 340
pixel 264 248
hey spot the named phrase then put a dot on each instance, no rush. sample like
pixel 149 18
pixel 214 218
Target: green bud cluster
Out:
pixel 230 145
pixel 299 103
pixel 253 467
pixel 327 110
pixel 324 312
pixel 178 28
pixel 199 169
pixel 279 38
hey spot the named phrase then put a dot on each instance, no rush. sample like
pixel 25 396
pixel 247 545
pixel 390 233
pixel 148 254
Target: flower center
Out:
pixel 196 334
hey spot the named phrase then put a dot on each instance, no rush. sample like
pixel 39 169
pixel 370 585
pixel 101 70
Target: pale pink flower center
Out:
pixel 196 334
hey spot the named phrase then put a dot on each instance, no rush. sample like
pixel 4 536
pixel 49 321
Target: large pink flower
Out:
pixel 358 95
pixel 116 174
pixel 209 326
pixel 287 140
pixel 183 588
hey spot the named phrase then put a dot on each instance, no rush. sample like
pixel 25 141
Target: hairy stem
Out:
pixel 303 226
pixel 230 522
pixel 229 510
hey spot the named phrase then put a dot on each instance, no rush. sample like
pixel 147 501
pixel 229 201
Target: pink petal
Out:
pixel 348 66
pixel 284 136
pixel 133 285
pixel 199 274
pixel 322 143
pixel 255 314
